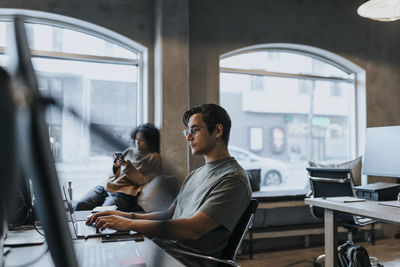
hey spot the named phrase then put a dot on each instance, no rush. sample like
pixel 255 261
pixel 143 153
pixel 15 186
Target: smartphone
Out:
pixel 118 155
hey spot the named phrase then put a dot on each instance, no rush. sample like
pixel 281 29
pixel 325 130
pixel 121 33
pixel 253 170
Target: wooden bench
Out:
pixel 265 225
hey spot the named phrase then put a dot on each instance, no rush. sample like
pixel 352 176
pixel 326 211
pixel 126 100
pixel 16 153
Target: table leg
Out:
pixel 331 242
pixel 250 244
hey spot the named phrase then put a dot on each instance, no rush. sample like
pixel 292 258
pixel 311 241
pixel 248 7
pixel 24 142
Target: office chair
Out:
pixel 326 182
pixel 228 256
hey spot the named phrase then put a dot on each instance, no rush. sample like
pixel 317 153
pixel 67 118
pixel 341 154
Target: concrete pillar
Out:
pixel 203 82
pixel 171 65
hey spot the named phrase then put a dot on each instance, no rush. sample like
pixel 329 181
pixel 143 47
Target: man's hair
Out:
pixel 212 115
pixel 150 134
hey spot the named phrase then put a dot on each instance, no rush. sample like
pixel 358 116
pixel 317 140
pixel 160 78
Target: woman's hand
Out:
pixel 116 161
pixel 124 162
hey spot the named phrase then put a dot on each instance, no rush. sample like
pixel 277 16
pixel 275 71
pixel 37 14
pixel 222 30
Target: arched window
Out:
pixel 97 72
pixel 291 104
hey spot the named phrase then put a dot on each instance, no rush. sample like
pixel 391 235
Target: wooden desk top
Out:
pixel 367 208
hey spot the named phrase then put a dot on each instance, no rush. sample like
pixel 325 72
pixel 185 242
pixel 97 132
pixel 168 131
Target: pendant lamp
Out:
pixel 381 10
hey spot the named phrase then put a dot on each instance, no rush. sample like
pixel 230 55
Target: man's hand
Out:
pixel 114 222
pixel 92 219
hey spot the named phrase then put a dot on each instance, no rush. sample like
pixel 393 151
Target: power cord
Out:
pixel 33 222
pixel 30 214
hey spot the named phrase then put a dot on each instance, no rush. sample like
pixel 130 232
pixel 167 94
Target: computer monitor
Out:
pixel 15 193
pixel 382 151
pixel 33 148
pixel 7 143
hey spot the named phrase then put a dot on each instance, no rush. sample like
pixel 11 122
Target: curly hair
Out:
pixel 150 134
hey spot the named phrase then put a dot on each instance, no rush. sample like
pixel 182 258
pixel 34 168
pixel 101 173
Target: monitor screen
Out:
pixel 33 148
pixel 382 151
pixel 7 143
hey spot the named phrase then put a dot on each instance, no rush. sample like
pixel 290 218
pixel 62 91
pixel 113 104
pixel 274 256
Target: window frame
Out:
pixel 357 119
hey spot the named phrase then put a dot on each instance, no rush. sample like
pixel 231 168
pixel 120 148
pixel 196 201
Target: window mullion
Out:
pixel 284 75
pixel 86 58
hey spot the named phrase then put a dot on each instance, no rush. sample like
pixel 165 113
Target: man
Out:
pixel 212 197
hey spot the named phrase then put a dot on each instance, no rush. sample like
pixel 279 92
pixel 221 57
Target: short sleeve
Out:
pixel 227 201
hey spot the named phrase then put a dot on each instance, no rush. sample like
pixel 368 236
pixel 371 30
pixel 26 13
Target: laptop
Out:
pixel 82 230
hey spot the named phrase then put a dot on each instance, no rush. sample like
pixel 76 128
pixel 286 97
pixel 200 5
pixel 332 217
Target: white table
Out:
pixel 370 209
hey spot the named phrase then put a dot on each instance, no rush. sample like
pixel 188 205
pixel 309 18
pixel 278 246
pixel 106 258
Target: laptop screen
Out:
pixel 69 209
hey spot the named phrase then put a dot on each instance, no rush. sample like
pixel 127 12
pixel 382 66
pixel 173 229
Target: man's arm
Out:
pixel 178 229
pixel 159 215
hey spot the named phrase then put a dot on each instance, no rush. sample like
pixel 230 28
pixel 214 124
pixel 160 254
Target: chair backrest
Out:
pixel 328 182
pixel 159 193
pixel 254 179
pixel 331 182
pixel 240 230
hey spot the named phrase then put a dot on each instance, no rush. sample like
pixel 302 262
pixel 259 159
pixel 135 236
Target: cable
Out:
pixel 31 262
pixel 30 213
pixel 33 222
pixel 24 206
pixel 37 230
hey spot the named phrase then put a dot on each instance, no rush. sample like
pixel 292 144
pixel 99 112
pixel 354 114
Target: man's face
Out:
pixel 200 141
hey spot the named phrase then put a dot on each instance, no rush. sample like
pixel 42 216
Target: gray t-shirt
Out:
pixel 220 189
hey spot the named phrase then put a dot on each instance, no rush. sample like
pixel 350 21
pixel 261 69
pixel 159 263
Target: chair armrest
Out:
pixel 229 262
pixel 362 221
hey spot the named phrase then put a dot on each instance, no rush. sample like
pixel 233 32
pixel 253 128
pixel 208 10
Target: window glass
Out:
pixel 92 76
pixel 284 121
pixel 57 39
pixel 285 62
pixel 3 39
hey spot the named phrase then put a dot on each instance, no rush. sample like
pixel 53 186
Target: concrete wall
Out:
pixel 216 27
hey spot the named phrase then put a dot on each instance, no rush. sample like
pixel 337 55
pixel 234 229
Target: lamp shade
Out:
pixel 381 10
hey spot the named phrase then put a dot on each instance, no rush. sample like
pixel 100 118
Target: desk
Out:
pixel 153 254
pixel 370 209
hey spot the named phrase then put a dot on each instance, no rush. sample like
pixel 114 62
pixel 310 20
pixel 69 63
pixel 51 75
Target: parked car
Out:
pixel 273 172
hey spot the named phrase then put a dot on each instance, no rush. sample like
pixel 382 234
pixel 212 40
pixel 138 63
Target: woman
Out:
pixel 138 166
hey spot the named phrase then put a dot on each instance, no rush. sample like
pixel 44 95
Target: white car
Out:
pixel 273 172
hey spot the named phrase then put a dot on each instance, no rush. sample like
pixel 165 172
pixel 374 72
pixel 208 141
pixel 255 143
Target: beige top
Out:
pixel 143 167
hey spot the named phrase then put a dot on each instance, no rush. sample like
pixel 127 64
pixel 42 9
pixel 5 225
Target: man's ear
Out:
pixel 219 130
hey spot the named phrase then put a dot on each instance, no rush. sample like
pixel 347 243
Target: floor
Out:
pixel 387 250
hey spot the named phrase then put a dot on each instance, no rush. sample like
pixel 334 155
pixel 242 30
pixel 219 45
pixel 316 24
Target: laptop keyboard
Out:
pixel 108 254
pixel 82 229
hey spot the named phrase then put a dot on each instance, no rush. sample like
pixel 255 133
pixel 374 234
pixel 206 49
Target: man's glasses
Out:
pixel 194 130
